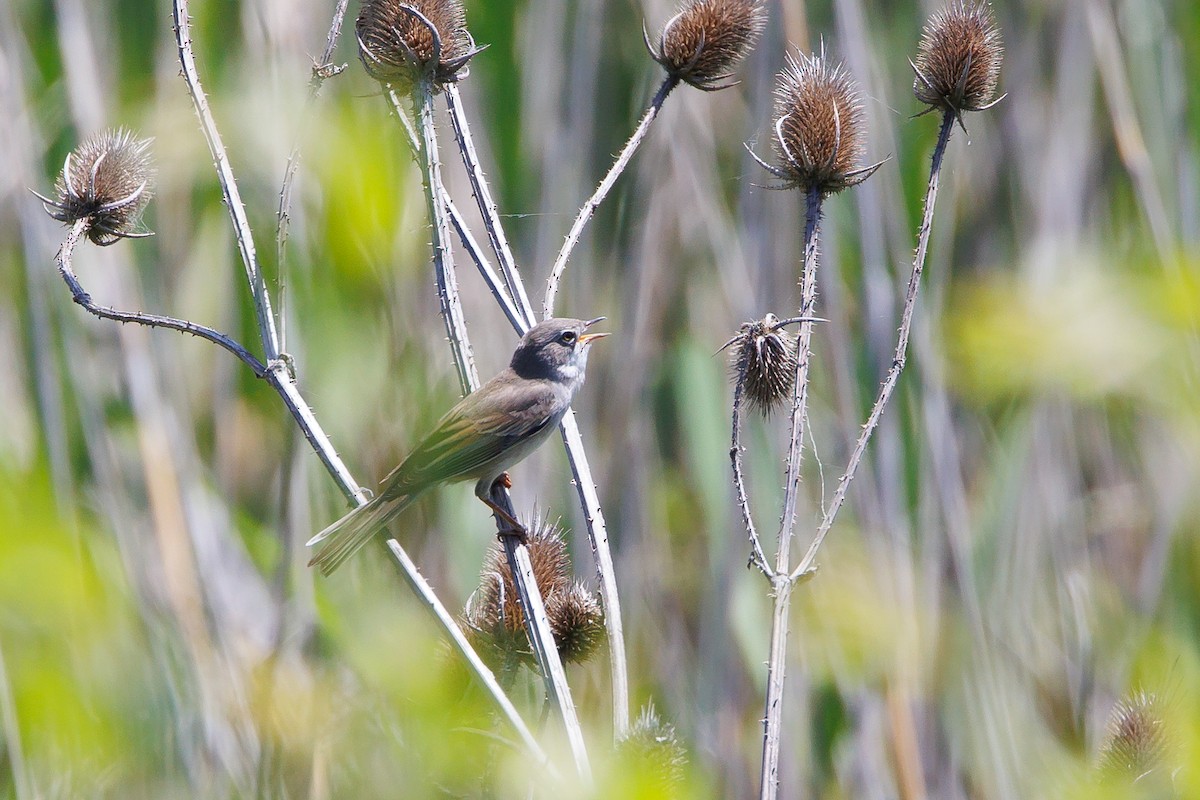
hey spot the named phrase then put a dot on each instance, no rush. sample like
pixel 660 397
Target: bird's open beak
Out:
pixel 587 337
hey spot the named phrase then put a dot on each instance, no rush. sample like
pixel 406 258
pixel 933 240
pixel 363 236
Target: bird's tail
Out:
pixel 343 538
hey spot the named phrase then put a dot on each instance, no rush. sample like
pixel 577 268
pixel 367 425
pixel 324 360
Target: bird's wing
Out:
pixel 475 433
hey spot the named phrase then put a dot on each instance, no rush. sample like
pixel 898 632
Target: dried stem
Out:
pixel 757 557
pixel 497 285
pixel 487 208
pixel 584 484
pixel 807 564
pixel 541 637
pixel 537 624
pixel 443 262
pixel 799 418
pixel 490 276
pixel 280 377
pixel 781 581
pixel 233 199
pixel 82 298
pixel 602 190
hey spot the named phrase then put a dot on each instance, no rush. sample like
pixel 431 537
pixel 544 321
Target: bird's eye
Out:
pixel 568 337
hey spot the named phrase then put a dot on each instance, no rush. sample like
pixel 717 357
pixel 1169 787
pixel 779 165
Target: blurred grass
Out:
pixel 1021 550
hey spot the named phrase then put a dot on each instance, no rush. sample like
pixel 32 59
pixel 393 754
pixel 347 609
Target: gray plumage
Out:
pixel 488 431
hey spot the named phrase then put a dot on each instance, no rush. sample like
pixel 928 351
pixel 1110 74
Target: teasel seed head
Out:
pixel 764 359
pixel 706 39
pixel 818 127
pixel 401 42
pixel 494 617
pixel 652 749
pixel 106 181
pixel 958 60
pixel 1136 743
pixel 577 621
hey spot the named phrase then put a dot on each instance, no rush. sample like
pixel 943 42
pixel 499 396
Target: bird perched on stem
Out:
pixel 488 431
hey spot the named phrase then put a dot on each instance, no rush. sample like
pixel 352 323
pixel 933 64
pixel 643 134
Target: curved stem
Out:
pixel 82 298
pixel 602 190
pixel 757 557
pixel 233 199
pixel 807 564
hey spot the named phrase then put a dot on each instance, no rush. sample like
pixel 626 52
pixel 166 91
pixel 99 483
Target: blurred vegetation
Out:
pixel 1020 552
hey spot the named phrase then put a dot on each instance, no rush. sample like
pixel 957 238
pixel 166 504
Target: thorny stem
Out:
pixel 516 316
pixel 541 637
pixel 537 624
pixel 233 199
pixel 443 265
pixel 780 581
pixel 807 564
pixel 602 190
pixel 795 457
pixel 279 377
pixel 487 207
pixel 757 557
pixel 280 380
pixel 585 485
pixel 82 298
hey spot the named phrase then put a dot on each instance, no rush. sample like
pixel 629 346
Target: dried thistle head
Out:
pixel 107 181
pixel 818 126
pixel 577 621
pixel 494 616
pixel 1136 743
pixel 958 60
pixel 652 750
pixel 400 42
pixel 764 358
pixel 706 39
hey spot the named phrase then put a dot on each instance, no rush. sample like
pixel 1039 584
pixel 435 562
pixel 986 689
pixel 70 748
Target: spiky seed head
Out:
pixel 652 750
pixel 764 357
pixel 494 616
pixel 958 60
pixel 706 39
pixel 1136 742
pixel 818 126
pixel 399 42
pixel 106 180
pixel 577 622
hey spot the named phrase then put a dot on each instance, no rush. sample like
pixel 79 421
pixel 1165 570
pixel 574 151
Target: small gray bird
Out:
pixel 490 430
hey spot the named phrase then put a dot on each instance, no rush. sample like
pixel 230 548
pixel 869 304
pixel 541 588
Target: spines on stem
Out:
pixel 958 61
pixel 703 43
pixel 819 134
pixel 106 181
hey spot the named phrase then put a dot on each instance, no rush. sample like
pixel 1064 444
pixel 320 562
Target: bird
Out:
pixel 485 433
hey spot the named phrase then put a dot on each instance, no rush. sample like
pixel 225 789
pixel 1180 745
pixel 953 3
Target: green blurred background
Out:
pixel 1020 550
